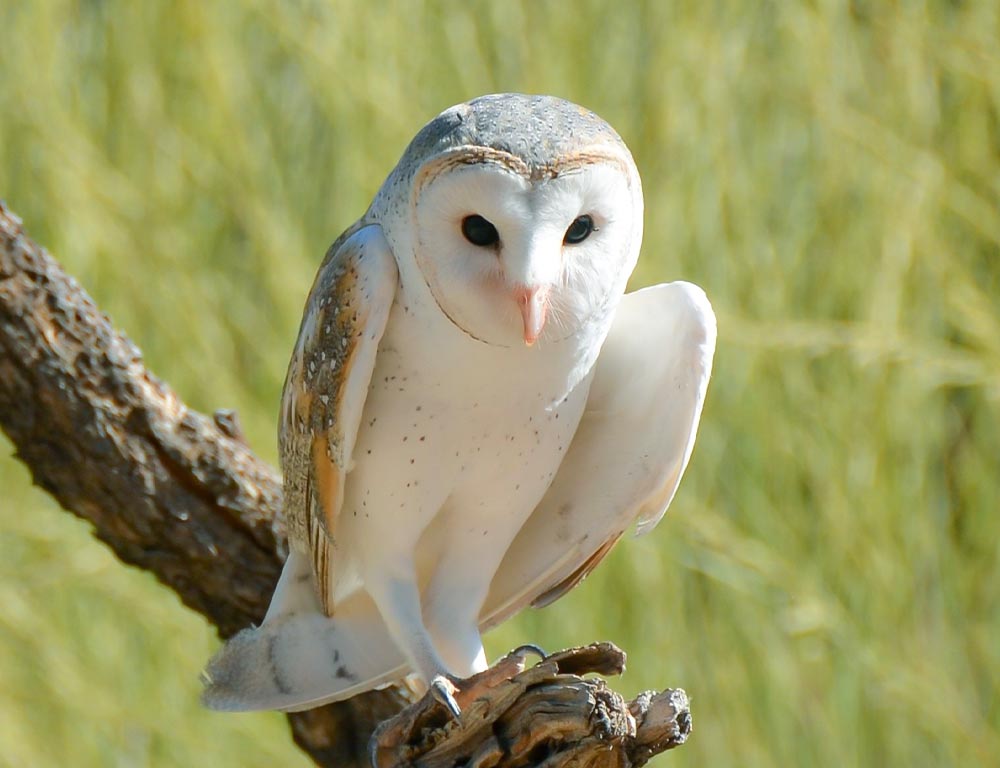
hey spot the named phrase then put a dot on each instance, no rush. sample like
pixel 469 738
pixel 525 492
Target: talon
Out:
pixel 527 648
pixel 443 691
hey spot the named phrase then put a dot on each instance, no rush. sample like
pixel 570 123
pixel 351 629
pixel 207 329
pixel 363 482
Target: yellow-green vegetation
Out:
pixel 827 583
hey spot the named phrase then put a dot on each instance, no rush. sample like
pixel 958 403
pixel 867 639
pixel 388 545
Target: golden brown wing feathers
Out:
pixel 344 319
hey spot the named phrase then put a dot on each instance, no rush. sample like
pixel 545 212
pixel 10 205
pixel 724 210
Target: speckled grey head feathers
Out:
pixel 536 129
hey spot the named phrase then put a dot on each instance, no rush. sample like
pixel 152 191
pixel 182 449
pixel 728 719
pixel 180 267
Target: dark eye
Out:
pixel 579 230
pixel 479 231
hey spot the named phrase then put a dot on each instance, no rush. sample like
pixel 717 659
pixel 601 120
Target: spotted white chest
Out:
pixel 458 442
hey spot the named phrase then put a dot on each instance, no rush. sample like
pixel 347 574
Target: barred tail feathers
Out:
pixel 299 658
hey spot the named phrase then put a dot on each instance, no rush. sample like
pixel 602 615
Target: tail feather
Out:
pixel 299 658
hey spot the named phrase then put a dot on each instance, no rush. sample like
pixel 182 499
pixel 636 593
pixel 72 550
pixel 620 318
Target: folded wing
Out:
pixel 325 390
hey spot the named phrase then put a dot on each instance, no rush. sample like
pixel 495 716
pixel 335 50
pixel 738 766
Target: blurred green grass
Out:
pixel 827 584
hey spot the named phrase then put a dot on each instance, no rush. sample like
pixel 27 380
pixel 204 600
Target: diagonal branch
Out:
pixel 181 494
pixel 168 489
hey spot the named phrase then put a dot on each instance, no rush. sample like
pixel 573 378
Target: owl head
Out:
pixel 520 215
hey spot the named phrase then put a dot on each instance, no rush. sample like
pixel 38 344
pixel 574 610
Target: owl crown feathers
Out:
pixel 536 129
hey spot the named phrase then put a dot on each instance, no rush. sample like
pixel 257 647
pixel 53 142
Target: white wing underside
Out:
pixel 622 467
pixel 629 452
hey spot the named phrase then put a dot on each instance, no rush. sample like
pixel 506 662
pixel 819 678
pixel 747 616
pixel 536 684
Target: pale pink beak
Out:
pixel 534 305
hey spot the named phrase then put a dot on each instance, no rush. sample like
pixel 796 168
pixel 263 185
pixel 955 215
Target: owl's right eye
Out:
pixel 479 231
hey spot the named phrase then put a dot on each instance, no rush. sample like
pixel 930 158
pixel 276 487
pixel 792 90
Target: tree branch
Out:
pixel 168 489
pixel 182 495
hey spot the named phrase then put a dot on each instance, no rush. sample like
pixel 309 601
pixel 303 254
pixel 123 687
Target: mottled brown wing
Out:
pixel 628 454
pixel 325 390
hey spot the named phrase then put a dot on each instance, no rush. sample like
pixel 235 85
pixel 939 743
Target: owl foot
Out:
pixel 455 692
pixel 443 689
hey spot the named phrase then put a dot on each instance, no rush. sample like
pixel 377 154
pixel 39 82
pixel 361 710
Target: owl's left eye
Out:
pixel 579 230
pixel 479 231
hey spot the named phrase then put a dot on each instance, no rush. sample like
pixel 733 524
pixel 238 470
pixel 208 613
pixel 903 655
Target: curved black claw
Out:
pixel 531 648
pixel 443 690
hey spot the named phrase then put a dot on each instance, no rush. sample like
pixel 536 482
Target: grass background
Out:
pixel 827 584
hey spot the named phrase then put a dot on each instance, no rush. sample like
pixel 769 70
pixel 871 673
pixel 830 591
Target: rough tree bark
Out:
pixel 182 495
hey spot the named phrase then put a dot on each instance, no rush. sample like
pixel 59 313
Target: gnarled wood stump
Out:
pixel 546 715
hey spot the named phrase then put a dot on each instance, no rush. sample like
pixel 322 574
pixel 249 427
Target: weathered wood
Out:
pixel 547 715
pixel 168 489
pixel 182 495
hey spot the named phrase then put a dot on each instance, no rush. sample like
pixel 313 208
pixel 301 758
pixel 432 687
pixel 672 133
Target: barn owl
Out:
pixel 473 413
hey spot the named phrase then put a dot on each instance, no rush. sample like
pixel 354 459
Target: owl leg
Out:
pixel 393 587
pixel 398 600
pixel 453 600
